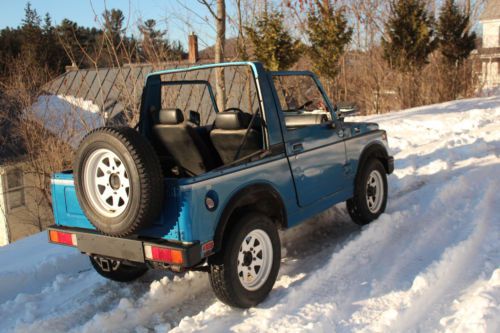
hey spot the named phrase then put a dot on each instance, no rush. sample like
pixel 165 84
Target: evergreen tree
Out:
pixel 274 45
pixel 47 23
pixel 70 38
pixel 328 34
pixel 155 46
pixel 51 53
pixel 409 35
pixel 31 18
pixel 152 44
pixel 10 47
pixel 31 35
pixel 114 42
pixel 113 24
pixel 455 42
pixel 149 29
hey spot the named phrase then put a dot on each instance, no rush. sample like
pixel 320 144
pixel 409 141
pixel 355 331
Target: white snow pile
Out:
pixel 68 117
pixel 430 263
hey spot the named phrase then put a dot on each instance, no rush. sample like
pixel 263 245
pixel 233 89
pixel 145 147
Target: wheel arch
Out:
pixel 374 150
pixel 259 197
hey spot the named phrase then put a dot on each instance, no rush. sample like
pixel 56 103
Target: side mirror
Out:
pixel 345 109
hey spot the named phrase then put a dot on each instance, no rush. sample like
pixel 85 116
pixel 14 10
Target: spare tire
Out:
pixel 118 180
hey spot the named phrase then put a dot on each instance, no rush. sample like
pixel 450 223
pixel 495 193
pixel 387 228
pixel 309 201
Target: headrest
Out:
pixel 170 117
pixel 232 120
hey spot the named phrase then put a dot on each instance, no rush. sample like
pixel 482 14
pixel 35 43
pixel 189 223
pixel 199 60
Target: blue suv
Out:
pixel 222 157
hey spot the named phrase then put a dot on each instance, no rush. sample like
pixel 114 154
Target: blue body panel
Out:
pixel 67 211
pixel 184 216
pixel 308 181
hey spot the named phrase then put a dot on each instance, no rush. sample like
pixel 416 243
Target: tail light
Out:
pixel 60 237
pixel 163 254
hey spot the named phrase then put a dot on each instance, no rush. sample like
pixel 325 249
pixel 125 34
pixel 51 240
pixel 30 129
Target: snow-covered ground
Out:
pixel 430 263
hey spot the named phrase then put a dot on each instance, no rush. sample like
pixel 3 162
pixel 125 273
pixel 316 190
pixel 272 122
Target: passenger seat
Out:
pixel 228 133
pixel 183 142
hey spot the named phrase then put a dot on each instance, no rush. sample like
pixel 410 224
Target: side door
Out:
pixel 313 139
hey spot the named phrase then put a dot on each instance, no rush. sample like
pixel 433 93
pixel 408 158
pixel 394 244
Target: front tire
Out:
pixel 243 273
pixel 116 270
pixel 370 193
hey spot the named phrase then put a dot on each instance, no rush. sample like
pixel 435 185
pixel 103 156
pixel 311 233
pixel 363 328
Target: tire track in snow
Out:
pixel 419 230
pixel 461 262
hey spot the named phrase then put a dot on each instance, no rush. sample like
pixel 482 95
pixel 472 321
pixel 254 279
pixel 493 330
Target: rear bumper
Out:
pixel 390 164
pixel 93 243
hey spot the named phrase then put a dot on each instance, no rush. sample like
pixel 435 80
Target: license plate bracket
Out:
pixel 119 248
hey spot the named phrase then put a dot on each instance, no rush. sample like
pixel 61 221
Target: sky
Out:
pixel 180 17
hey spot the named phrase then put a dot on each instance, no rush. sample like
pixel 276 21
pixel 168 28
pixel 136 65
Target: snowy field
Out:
pixel 430 263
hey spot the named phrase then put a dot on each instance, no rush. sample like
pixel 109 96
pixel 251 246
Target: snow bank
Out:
pixel 30 264
pixel 430 263
pixel 68 117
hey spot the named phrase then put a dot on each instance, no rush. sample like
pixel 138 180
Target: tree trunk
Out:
pixel 242 50
pixel 219 54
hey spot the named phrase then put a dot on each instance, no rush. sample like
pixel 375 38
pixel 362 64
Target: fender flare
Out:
pixel 243 199
pixel 377 150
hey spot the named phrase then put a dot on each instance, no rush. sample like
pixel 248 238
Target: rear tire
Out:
pixel 116 270
pixel 118 180
pixel 370 193
pixel 243 273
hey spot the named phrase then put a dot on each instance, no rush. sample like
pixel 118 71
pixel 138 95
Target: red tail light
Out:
pixel 60 237
pixel 170 256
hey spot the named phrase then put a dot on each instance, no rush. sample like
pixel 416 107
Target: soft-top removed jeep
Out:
pixel 195 187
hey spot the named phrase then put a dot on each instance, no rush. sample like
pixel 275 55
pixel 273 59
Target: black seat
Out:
pixel 183 142
pixel 228 133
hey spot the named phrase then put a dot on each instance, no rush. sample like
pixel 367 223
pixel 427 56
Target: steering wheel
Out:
pixel 304 105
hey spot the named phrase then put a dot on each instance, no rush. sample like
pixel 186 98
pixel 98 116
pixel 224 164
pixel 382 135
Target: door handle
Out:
pixel 297 147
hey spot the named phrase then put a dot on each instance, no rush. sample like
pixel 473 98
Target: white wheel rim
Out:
pixel 106 183
pixel 374 191
pixel 255 259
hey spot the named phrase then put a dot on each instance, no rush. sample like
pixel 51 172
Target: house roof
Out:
pixel 491 11
pixel 79 100
pixel 105 87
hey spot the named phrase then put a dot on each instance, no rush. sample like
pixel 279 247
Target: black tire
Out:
pixel 117 271
pixel 359 206
pixel 144 191
pixel 224 276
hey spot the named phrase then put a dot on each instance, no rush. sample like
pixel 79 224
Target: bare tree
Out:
pixel 43 152
pixel 242 50
pixel 220 21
